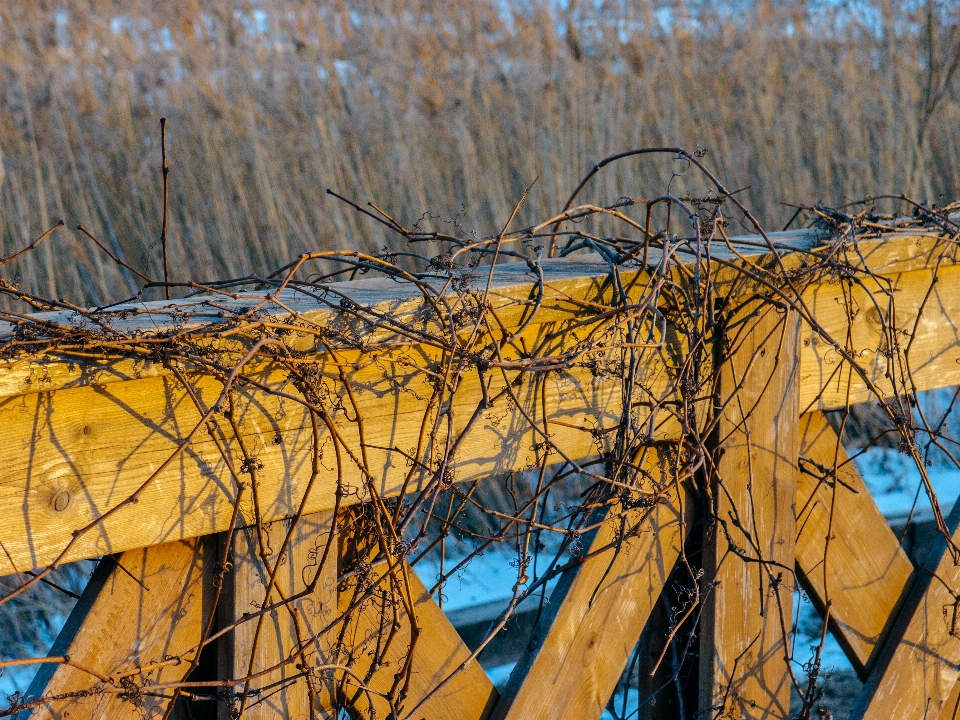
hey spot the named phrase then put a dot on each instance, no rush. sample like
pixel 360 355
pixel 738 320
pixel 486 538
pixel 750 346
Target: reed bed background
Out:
pixel 450 108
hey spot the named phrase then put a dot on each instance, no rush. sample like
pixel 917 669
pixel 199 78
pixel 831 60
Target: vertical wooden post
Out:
pixel 295 689
pixel 749 548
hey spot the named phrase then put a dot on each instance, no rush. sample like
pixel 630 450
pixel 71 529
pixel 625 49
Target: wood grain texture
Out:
pixel 926 314
pixel 267 641
pixel 126 619
pixel 440 684
pixel 98 430
pixel 99 443
pixel 863 573
pixel 596 615
pixel 917 670
pixel 571 287
pixel 569 284
pixel 951 708
pixel 749 551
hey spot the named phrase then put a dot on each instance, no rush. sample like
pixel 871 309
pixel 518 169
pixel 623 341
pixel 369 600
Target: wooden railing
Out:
pixel 167 472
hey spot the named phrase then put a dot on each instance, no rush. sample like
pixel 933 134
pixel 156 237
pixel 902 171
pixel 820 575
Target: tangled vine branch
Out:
pixel 656 326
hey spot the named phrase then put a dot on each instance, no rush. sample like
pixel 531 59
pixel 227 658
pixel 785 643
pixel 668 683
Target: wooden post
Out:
pixel 749 549
pixel 284 638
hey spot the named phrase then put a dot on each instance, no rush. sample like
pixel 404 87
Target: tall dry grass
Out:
pixel 451 107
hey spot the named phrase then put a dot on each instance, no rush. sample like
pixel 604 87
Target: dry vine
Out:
pixel 659 329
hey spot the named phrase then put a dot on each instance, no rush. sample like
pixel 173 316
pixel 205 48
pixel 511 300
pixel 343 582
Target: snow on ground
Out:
pixel 894 481
pixel 483 579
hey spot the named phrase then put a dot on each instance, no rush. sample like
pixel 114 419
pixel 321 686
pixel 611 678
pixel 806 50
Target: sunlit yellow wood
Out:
pixel 596 615
pixel 292 631
pixel 749 551
pixel 79 438
pixel 878 328
pixel 916 673
pixel 862 572
pixel 143 609
pixel 423 667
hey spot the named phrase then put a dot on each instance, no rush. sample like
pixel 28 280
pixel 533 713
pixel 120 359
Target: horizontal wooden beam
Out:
pixel 576 284
pixel 914 315
pixel 71 455
pixel 79 437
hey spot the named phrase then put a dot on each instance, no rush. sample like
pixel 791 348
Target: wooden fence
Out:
pixel 230 555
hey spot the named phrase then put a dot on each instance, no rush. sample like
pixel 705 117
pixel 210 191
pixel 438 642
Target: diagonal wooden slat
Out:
pixel 294 556
pixel 142 608
pixel 862 572
pixel 467 695
pixel 596 615
pixel 951 708
pixel 917 670
pixel 749 552
pixel 440 682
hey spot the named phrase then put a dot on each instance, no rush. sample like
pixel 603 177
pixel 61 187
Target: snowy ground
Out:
pixel 895 483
